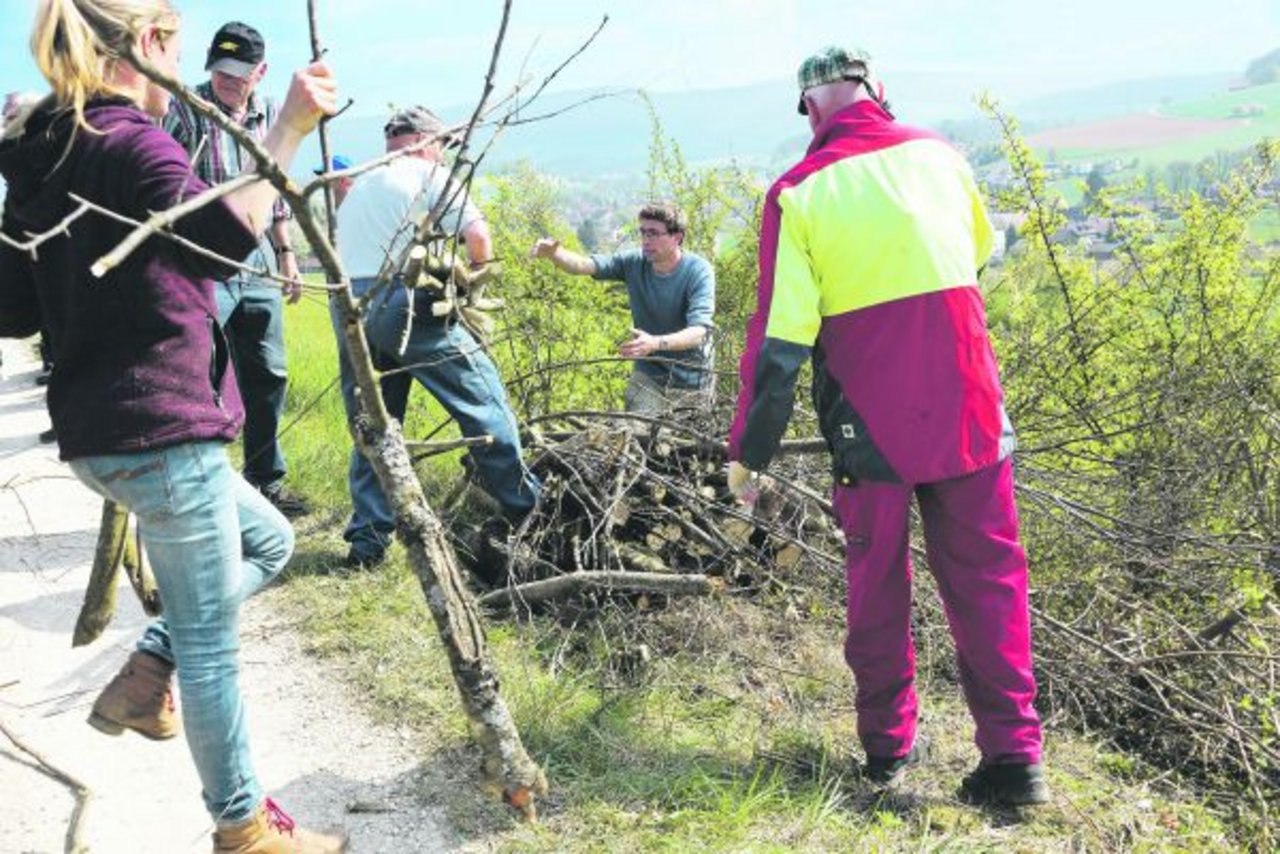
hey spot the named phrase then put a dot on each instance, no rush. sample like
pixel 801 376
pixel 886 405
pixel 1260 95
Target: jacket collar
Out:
pixel 859 117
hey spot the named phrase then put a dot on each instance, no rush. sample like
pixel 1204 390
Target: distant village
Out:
pixel 1095 235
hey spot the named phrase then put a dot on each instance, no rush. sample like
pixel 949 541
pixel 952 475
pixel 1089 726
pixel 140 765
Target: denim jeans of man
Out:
pixel 212 540
pixel 448 362
pixel 251 313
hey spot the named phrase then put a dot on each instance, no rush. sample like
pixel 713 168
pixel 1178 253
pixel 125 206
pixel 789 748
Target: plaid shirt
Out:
pixel 216 157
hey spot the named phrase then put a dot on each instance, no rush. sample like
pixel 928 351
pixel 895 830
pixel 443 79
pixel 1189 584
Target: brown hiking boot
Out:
pixel 140 698
pixel 270 831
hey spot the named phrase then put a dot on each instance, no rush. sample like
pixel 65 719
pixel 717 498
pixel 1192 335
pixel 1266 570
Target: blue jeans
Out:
pixel 213 540
pixel 251 313
pixel 448 362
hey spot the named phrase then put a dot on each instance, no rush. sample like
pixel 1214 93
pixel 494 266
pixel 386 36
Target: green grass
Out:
pixel 1070 190
pixel 1221 106
pixel 1265 227
pixel 736 737
pixel 734 734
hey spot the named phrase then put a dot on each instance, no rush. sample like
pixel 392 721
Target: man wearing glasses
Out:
pixel 673 298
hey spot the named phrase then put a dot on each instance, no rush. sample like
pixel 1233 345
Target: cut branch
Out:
pixel 100 598
pixel 667 583
pixel 423 450
pixel 75 843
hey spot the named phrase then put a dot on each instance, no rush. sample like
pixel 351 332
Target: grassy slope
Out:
pixel 736 735
pixel 1215 107
pixel 1265 228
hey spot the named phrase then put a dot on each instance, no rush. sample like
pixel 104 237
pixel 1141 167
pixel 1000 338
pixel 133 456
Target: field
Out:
pixel 1139 131
pixel 1184 131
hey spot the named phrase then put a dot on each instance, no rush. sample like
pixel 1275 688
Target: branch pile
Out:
pixel 640 505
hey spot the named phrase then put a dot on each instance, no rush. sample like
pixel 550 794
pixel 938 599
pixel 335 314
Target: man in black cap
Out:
pixel 250 308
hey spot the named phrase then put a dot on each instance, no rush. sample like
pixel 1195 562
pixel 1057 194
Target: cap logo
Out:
pixel 232 46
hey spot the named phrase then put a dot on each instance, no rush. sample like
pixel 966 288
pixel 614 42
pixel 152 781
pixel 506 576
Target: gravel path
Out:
pixel 315 751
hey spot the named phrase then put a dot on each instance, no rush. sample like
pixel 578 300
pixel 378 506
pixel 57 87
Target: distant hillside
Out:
pixel 758 125
pixel 1117 99
pixel 1188 130
pixel 1265 69
pixel 754 124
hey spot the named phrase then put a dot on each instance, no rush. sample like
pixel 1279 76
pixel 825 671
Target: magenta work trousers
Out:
pixel 971 539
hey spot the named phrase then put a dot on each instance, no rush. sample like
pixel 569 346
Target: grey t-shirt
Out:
pixel 661 305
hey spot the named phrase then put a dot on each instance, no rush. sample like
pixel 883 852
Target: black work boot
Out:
pixel 1005 784
pixel 888 770
pixel 364 558
pixel 290 504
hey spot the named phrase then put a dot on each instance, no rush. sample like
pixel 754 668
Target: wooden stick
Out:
pixel 75 843
pixel 422 450
pixel 669 583
pixel 100 598
pixel 138 570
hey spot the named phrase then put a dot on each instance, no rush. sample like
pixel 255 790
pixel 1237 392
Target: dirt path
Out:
pixel 315 752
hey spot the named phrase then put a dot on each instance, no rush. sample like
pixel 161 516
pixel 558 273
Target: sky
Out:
pixel 433 52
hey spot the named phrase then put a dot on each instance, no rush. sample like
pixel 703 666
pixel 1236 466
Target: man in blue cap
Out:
pixel 341 184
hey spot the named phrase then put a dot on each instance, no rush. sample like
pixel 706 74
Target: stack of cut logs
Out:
pixel 457 288
pixel 640 505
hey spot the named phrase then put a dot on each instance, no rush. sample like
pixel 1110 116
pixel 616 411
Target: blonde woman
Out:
pixel 141 400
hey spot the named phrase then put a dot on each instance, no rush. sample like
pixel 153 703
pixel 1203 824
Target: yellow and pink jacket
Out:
pixel 869 252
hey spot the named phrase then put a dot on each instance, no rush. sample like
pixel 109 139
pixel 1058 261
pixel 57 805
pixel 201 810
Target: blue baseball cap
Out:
pixel 336 163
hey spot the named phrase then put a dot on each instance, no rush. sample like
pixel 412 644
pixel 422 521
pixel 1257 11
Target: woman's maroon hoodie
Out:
pixel 139 359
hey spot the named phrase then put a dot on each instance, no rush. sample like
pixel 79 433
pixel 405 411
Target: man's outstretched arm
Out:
pixel 570 262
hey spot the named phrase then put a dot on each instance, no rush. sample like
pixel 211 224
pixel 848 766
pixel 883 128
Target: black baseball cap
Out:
pixel 236 49
pixel 419 120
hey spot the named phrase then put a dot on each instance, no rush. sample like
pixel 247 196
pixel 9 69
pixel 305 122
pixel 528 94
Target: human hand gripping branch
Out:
pixel 312 94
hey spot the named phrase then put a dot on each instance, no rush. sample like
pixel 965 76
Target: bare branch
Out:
pixel 158 221
pixel 192 246
pixel 671 584
pixel 423 450
pixel 62 228
pixel 75 843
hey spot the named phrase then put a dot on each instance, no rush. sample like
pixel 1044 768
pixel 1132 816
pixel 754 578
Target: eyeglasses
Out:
pixel 651 233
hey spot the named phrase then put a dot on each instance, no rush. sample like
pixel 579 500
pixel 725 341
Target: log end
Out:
pixel 523 799
pixel 88 630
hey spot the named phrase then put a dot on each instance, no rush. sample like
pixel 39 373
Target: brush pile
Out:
pixel 640 505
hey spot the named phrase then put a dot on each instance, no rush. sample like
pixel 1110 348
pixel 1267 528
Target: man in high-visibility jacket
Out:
pixel 869 256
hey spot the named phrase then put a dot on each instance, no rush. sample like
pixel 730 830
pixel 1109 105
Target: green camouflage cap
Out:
pixel 831 65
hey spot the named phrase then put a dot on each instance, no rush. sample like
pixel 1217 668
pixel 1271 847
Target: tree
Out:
pixel 1147 395
pixel 1094 184
pixel 1265 69
pixel 589 234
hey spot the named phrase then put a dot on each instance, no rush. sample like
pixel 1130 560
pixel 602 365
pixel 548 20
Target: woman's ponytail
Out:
pixel 74 43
